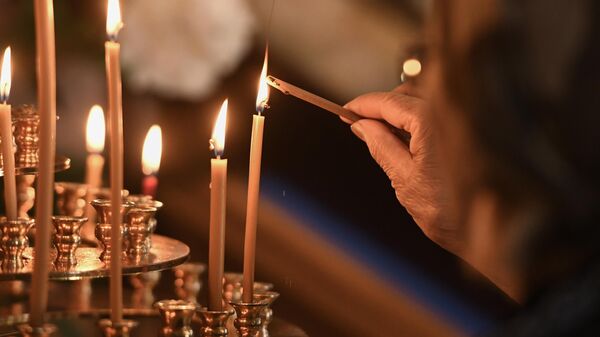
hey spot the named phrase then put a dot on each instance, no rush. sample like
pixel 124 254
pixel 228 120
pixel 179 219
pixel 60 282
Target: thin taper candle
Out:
pixel 218 199
pixel 113 74
pixel 46 85
pixel 256 144
pixel 8 158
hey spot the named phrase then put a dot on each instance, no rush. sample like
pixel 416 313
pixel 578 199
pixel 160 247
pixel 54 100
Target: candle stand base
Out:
pixel 45 330
pixel 121 329
pixel 66 239
pixel 104 225
pixel 248 321
pixel 177 317
pixel 137 227
pixel 213 323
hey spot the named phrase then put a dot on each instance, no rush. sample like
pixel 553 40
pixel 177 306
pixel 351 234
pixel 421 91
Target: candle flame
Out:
pixel 95 131
pixel 113 19
pixel 217 141
pixel 262 98
pixel 5 76
pixel 152 151
pixel 411 67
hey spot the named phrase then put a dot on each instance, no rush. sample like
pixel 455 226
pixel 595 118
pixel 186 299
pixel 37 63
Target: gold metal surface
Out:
pixel 165 253
pixel 62 163
pixel 176 317
pixel 213 323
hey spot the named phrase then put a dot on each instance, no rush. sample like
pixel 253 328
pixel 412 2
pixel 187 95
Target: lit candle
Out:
pixel 218 193
pixel 95 137
pixel 113 75
pixel 46 85
pixel 8 157
pixel 151 154
pixel 254 184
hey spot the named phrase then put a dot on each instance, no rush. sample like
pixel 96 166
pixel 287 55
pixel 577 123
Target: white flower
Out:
pixel 182 48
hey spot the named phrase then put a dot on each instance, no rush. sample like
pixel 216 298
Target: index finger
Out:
pixel 400 110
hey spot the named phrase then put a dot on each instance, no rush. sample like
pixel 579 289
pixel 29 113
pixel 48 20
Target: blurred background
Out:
pixel 346 257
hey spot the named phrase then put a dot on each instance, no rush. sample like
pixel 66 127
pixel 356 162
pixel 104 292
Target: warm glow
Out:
pixel 411 67
pixel 263 88
pixel 113 19
pixel 95 131
pixel 152 151
pixel 5 76
pixel 217 140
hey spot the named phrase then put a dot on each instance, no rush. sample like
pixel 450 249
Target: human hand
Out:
pixel 413 169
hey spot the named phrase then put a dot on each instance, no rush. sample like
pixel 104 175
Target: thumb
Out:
pixel 388 151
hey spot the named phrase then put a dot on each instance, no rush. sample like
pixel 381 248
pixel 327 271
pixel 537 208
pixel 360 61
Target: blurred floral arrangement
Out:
pixel 181 49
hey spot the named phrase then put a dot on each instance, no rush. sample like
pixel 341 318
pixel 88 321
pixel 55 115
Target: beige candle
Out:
pixel 218 195
pixel 113 75
pixel 95 138
pixel 8 157
pixel 46 85
pixel 254 185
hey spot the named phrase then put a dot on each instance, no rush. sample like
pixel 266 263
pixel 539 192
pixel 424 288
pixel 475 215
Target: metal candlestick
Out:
pixel 232 287
pixel 143 285
pixel 142 200
pixel 213 323
pixel 104 224
pixel 137 227
pixel 177 317
pixel 187 280
pixel 25 194
pixel 248 321
pixel 26 120
pixel 71 198
pixel 14 241
pixel 67 238
pixel 267 314
pixel 45 330
pixel 119 329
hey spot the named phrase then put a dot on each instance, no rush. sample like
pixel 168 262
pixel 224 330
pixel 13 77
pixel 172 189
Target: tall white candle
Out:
pixel 218 196
pixel 254 185
pixel 113 75
pixel 46 84
pixel 8 157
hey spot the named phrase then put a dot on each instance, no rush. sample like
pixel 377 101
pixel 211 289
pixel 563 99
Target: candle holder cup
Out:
pixel 248 321
pixel 26 120
pixel 213 323
pixel 143 286
pixel 187 280
pixel 103 193
pixel 142 200
pixel 177 317
pixel 67 238
pixel 232 287
pixel 137 227
pixel 71 198
pixel 120 329
pixel 45 330
pixel 104 224
pixel 267 314
pixel 14 241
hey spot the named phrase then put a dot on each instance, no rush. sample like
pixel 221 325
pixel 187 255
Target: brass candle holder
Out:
pixel 213 323
pixel 142 200
pixel 177 317
pixel 71 198
pixel 232 287
pixel 104 224
pixel 26 120
pixel 67 238
pixel 14 241
pixel 119 329
pixel 187 280
pixel 137 227
pixel 143 287
pixel 45 330
pixel 248 321
pixel 267 314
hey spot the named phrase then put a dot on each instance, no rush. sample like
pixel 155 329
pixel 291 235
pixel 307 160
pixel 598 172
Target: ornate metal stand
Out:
pixel 177 317
pixel 248 321
pixel 14 241
pixel 213 323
